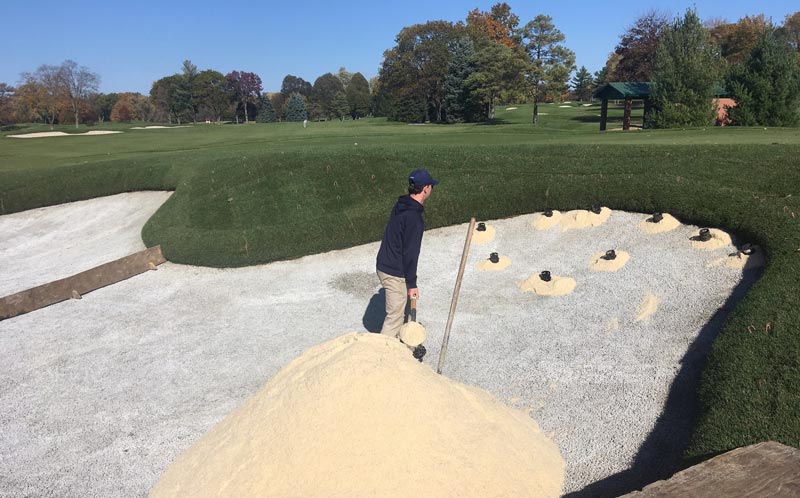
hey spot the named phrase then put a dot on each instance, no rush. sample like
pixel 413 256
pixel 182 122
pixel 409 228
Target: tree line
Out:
pixel 752 61
pixel 68 93
pixel 450 72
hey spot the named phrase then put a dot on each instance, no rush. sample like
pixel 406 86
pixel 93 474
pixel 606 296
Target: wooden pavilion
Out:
pixel 637 90
pixel 627 91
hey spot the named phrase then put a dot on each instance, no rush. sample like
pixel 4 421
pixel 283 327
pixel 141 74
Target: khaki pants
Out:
pixel 396 299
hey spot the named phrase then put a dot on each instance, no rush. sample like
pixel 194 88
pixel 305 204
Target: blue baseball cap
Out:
pixel 420 178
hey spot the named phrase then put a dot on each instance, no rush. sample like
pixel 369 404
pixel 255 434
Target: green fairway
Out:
pixel 248 194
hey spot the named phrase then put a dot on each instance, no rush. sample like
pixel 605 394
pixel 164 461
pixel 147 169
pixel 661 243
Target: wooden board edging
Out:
pixel 75 286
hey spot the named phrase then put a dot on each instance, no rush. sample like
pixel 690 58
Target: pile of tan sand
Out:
pixel 358 416
pixel 44 134
pixel 413 334
pixel 648 306
pixel 503 262
pixel 740 261
pixel 583 218
pixel 718 240
pixel 542 222
pixel 483 236
pixel 556 286
pixel 667 224
pixel 601 263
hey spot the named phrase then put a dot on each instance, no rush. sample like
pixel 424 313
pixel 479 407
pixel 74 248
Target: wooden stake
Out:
pixel 454 302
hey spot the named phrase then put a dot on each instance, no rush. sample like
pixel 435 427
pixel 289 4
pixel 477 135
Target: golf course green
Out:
pixel 256 193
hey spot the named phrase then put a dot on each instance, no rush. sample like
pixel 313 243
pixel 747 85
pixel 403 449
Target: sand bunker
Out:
pixel 482 237
pixel 583 218
pixel 648 306
pixel 667 224
pixel 718 240
pixel 542 222
pixel 557 286
pixel 511 108
pixel 600 263
pixel 358 416
pixel 413 334
pixel 44 134
pixel 740 261
pixel 486 265
pixel 564 106
pixel 156 127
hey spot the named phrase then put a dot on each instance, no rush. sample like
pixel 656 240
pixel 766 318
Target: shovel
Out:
pixel 412 333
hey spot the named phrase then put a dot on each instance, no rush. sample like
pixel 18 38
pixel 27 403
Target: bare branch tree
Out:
pixel 79 82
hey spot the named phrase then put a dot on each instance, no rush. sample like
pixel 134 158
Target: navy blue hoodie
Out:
pixel 402 239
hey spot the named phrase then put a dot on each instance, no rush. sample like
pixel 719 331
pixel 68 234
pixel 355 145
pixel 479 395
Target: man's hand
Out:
pixel 413 293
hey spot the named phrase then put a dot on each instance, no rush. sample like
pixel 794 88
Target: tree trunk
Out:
pixel 244 108
pixel 535 109
pixel 76 117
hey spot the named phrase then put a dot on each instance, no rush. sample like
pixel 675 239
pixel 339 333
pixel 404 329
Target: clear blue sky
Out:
pixel 131 44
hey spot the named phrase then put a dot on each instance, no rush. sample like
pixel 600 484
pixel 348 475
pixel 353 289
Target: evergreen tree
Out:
pixel 266 113
pixel 766 86
pixel 339 106
pixel 408 108
pixel 582 84
pixel 687 67
pixel 457 104
pixel 551 62
pixel 323 93
pixel 358 97
pixel 296 110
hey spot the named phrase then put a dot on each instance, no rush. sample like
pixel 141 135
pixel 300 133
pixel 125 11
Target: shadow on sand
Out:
pixel 661 454
pixel 375 312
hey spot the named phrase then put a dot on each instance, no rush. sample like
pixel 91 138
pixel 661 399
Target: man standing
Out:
pixel 399 252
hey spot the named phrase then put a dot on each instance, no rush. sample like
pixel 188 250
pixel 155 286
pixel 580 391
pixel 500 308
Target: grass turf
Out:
pixel 259 193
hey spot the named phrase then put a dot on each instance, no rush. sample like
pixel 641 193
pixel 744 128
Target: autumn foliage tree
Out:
pixel 485 25
pixel 245 88
pixel 636 49
pixel 737 40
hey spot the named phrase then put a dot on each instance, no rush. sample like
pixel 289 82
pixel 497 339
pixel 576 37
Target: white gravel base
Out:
pixel 97 396
pixel 46 244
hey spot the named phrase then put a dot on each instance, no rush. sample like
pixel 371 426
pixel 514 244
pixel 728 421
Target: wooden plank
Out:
pixel 763 470
pixel 75 286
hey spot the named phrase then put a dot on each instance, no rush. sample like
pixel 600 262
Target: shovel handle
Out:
pixel 413 309
pixel 454 302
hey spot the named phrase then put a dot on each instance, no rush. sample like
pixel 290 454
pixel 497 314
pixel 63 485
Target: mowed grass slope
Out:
pixel 258 193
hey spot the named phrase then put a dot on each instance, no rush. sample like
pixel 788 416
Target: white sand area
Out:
pixel 158 127
pixel 44 134
pixel 99 395
pixel 46 244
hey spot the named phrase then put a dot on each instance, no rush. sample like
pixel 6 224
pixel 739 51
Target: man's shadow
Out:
pixel 375 313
